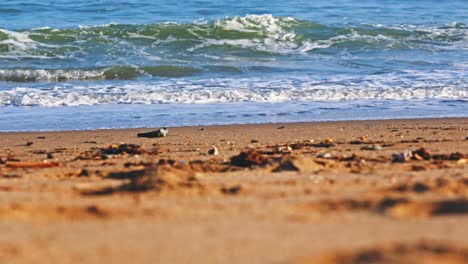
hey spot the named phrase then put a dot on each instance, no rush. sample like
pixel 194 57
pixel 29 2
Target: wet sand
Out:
pixel 391 191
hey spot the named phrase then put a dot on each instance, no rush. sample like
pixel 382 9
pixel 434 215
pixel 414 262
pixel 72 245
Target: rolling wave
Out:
pixel 254 33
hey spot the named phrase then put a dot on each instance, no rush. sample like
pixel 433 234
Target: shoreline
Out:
pixel 319 192
pixel 410 119
pixel 144 116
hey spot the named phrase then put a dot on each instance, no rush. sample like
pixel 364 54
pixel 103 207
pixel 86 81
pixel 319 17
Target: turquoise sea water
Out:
pixel 111 64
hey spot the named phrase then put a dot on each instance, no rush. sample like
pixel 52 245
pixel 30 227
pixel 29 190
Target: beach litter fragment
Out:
pixel 283 149
pixel 422 154
pixel 372 147
pixel 452 156
pixel 162 132
pixel 213 151
pixel 326 143
pixel 114 149
pixel 31 164
pixel 409 253
pixel 83 173
pixel 8 158
pixel 425 154
pixel 234 189
pixel 123 149
pixel 326 155
pixel 402 156
pixel 249 158
pixel 363 138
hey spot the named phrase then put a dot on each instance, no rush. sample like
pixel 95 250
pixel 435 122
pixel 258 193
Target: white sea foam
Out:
pixel 49 75
pixel 277 35
pixel 274 34
pixel 20 46
pixel 256 23
pixel 181 91
pixel 450 31
pixel 18 40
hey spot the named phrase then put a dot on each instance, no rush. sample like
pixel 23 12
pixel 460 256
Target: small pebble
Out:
pixel 372 147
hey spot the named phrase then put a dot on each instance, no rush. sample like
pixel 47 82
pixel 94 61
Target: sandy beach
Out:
pixel 389 191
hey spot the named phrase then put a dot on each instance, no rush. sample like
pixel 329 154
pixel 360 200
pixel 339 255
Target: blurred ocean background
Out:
pixel 67 65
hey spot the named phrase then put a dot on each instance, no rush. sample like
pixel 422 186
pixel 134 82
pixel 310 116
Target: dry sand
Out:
pixel 327 192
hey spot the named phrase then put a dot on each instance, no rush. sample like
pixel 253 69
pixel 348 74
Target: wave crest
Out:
pixel 265 33
pixel 103 73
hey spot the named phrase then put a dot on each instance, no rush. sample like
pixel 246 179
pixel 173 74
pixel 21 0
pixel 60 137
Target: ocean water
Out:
pixel 67 65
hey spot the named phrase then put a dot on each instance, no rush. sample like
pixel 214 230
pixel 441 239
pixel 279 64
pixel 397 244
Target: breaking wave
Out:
pixel 234 59
pixel 254 33
pixel 206 91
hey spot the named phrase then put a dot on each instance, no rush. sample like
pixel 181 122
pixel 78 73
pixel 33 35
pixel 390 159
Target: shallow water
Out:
pixel 109 64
